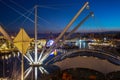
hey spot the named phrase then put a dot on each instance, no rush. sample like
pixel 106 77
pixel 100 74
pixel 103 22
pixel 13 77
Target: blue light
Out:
pixel 50 43
pixel 52 53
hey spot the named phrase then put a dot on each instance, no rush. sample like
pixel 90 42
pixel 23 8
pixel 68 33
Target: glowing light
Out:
pixel 41 54
pixel 28 72
pixel 44 70
pixel 84 45
pixel 2 57
pixel 87 7
pixel 41 70
pixel 27 58
pixel 50 43
pixel 9 56
pixel 35 73
pixel 54 52
pixel 13 54
pixel 18 53
pixel 80 43
pixel 6 57
pixel 93 15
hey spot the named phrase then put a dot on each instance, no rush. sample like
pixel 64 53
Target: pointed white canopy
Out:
pixel 22 41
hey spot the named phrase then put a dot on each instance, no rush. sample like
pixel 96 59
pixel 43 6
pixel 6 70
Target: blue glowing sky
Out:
pixel 54 15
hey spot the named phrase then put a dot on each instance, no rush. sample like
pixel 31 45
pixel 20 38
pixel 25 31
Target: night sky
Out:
pixel 54 15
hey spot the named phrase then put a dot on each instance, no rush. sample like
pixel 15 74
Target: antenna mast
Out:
pixel 36 62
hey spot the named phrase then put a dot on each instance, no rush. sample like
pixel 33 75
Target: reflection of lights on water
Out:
pixel 80 43
pixel 84 44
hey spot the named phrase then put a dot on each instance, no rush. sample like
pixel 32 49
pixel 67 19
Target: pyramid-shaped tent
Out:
pixel 22 41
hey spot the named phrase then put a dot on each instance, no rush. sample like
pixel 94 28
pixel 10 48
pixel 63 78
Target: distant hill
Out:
pixel 77 34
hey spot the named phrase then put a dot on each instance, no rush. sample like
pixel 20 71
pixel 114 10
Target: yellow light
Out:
pixel 55 52
pixel 2 57
pixel 9 56
pixel 6 57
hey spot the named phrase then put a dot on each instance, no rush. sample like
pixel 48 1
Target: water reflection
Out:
pixel 82 44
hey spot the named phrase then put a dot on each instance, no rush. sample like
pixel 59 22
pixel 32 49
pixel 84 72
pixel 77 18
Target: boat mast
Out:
pixel 36 62
pixel 35 33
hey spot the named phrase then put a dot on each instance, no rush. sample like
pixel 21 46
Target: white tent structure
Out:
pixel 22 41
